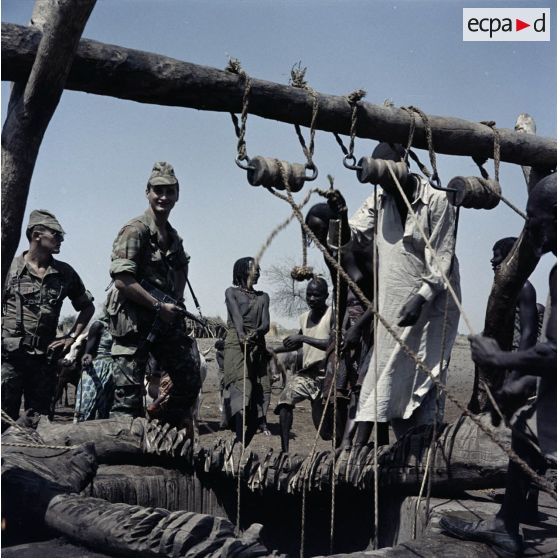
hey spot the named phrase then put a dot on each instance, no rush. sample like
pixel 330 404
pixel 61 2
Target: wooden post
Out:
pixel 31 106
pixel 508 282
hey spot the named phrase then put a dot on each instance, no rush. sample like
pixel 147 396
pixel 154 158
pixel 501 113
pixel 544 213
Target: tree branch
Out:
pixel 32 104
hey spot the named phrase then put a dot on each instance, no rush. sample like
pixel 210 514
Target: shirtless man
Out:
pixel 534 434
pixel 517 386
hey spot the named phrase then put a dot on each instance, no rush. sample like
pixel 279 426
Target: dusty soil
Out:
pixel 303 435
pixel 460 382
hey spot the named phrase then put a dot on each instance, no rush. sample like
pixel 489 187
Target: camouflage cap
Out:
pixel 162 175
pixel 45 218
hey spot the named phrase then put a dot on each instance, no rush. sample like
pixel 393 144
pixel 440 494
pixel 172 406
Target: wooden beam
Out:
pixel 145 77
pixel 32 104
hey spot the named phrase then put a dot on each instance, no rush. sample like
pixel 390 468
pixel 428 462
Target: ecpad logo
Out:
pixel 506 24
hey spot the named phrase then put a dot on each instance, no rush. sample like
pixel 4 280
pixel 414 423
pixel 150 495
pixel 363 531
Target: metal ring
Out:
pixel 314 170
pixel 352 166
pixel 244 166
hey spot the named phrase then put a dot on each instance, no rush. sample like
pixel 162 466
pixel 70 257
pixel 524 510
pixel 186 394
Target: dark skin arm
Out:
pixel 92 343
pixel 355 332
pixel 263 328
pixel 295 342
pixel 82 320
pixel 234 311
pixel 338 205
pixel 538 360
pixel 411 310
pixel 516 382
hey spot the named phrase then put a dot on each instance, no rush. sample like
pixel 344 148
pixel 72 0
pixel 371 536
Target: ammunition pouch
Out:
pixel 11 344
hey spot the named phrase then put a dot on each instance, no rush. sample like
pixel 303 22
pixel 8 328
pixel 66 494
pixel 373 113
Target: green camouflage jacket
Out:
pixel 31 306
pixel 135 251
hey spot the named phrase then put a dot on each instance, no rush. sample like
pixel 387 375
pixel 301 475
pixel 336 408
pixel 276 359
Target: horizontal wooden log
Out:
pixel 32 474
pixel 145 77
pixel 126 530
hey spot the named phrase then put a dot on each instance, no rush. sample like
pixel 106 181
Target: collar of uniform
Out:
pixel 21 265
pixel 148 220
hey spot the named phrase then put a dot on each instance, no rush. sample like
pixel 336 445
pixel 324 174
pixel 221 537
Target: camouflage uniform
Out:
pixel 30 312
pixel 137 252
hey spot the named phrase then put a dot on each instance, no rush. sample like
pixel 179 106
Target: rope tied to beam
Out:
pixel 234 67
pixel 353 99
pixel 298 80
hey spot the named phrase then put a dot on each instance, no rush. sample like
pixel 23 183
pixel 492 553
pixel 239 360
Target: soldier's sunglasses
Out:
pixel 57 235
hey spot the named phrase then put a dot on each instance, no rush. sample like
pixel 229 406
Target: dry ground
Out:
pixel 460 381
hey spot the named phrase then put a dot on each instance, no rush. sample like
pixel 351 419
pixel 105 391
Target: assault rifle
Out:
pixel 163 298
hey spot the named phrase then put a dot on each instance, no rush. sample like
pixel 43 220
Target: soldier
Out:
pixel 149 252
pixel 35 288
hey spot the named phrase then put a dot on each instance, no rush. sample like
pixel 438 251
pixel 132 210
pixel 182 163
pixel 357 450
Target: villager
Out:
pixel 36 286
pixel 148 254
pixel 355 319
pixel 518 387
pixel 246 379
pixel 314 337
pixel 411 297
pixel 220 359
pixel 534 426
pixel 95 391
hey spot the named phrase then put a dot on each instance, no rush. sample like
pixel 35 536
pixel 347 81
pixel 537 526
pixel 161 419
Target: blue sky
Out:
pixel 98 151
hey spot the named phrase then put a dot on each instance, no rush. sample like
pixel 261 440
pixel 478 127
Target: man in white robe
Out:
pixel 411 298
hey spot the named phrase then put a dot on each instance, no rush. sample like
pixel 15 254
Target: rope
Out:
pixel 297 80
pixel 234 67
pixel 36 442
pixel 353 99
pixel 492 125
pixel 375 354
pixel 432 153
pixel 238 487
pixel 338 319
pixel 428 134
pixel 542 482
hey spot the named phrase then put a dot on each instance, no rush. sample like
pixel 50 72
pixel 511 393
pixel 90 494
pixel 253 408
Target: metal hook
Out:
pixel 352 166
pixel 314 175
pixel 244 166
pixel 435 182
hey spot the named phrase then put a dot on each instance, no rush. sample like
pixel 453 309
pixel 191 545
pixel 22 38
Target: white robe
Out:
pixel 406 267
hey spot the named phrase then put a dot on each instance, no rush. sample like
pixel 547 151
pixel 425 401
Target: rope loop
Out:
pixel 234 67
pixel 297 79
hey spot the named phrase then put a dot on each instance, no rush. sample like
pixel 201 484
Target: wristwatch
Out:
pixel 157 307
pixel 72 335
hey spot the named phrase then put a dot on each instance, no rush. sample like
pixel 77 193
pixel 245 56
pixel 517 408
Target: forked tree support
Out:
pixel 32 104
pixel 146 77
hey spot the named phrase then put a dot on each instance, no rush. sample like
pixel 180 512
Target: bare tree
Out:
pixel 288 297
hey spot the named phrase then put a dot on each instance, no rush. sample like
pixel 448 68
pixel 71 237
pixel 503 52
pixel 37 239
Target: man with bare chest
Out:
pixel 148 253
